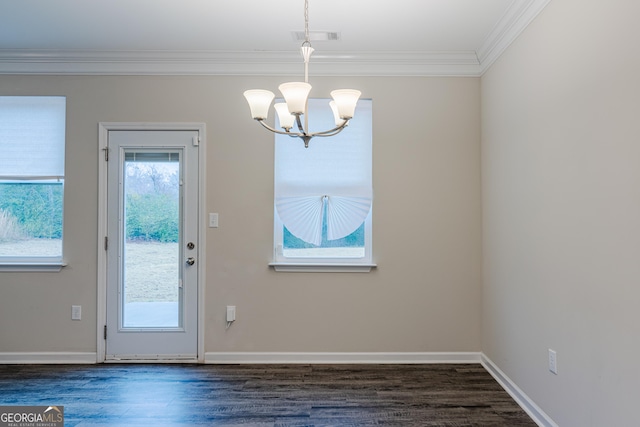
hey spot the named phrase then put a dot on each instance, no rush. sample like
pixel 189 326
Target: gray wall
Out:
pixel 561 209
pixel 425 295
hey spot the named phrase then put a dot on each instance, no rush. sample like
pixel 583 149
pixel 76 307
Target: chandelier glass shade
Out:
pixel 295 95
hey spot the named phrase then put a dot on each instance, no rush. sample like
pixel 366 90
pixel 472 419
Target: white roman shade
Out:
pixel 332 177
pixel 32 137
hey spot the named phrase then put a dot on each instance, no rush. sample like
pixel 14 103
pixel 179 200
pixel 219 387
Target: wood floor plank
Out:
pixel 455 395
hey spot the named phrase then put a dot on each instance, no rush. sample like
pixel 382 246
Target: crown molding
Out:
pixel 515 19
pixel 264 63
pixel 236 63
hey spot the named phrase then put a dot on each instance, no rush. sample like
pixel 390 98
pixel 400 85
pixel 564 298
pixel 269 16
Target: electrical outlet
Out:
pixel 76 312
pixel 231 313
pixel 553 362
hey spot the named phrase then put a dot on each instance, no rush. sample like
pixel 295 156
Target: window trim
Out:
pixel 35 265
pixel 39 263
pixel 321 268
pixel 281 263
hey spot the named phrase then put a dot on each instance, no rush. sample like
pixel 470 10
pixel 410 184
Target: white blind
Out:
pixel 151 157
pixel 333 171
pixel 32 136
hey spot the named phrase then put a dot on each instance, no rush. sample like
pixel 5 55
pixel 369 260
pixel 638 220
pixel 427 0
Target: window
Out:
pixel 32 138
pixel 323 195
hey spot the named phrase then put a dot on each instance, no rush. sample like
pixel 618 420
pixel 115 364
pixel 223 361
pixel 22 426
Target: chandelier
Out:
pixel 296 95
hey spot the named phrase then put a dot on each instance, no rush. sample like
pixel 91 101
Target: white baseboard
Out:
pixel 529 406
pixel 63 357
pixel 340 358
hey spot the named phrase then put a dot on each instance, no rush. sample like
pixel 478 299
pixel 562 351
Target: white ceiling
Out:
pixel 377 37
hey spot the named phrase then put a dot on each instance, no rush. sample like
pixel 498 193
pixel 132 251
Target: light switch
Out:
pixel 213 220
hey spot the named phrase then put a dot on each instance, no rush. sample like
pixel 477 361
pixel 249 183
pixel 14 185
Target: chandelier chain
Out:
pixel 306 21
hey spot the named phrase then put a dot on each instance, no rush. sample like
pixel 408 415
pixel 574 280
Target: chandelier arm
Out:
pixel 336 130
pixel 306 138
pixel 326 134
pixel 331 132
pixel 292 134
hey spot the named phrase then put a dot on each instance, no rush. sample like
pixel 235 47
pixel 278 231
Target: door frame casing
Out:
pixel 103 138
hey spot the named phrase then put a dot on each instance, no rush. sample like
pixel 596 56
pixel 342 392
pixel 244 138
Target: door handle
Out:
pixel 191 260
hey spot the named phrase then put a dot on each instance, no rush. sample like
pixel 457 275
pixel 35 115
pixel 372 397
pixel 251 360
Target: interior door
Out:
pixel 152 245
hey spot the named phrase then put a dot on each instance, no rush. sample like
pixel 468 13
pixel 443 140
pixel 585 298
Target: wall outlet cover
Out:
pixel 553 362
pixel 76 312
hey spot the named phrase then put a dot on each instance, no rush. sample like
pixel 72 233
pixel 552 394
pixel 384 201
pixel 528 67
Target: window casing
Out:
pixel 32 143
pixel 323 195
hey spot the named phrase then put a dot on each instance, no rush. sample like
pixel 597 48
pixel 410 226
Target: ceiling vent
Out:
pixel 317 36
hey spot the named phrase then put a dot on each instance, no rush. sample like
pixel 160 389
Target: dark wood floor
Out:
pixel 264 395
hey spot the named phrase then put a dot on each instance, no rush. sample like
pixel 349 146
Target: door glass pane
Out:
pixel 151 291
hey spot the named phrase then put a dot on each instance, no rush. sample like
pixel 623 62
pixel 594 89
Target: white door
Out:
pixel 152 245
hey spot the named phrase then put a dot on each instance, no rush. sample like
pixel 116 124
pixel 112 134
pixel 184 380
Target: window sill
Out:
pixel 50 267
pixel 321 267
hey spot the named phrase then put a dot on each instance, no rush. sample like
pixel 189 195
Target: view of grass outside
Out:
pixel 151 272
pixel 31 219
pixel 152 215
pixel 24 247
